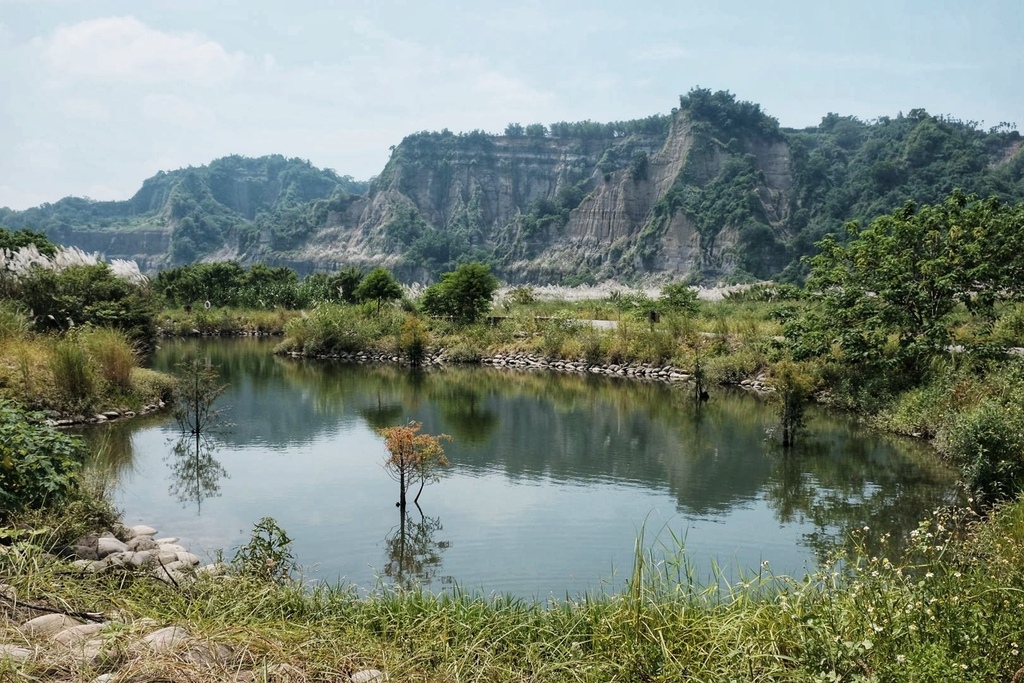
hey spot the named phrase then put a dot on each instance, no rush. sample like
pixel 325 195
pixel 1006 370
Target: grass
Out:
pixel 951 610
pixel 88 370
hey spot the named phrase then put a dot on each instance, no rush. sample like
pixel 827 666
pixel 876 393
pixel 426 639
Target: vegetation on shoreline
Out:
pixel 949 608
pixel 950 611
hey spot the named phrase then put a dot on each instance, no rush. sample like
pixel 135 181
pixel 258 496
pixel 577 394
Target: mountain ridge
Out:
pixel 714 190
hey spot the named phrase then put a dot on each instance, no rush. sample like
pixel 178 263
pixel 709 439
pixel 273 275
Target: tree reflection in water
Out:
pixel 413 555
pixel 195 473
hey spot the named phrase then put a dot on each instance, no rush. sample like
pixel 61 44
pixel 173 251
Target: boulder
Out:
pixel 47 625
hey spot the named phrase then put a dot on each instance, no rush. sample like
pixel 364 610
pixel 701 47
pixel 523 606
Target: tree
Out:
pixel 678 297
pixel 412 457
pixel 793 384
pixel 888 296
pixel 379 285
pixel 536 130
pixel 347 281
pixel 515 130
pixel 463 294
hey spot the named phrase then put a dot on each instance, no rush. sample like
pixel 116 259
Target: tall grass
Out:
pixel 74 376
pixel 13 322
pixel 113 354
pixel 950 610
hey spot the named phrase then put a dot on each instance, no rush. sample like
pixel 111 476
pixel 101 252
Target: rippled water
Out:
pixel 553 477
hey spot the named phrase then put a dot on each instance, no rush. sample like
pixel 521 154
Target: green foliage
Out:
pixel 348 280
pixel 13 321
pixel 336 328
pixel 464 295
pixel 793 384
pixel 114 356
pixel 267 557
pixel 678 297
pixel 195 393
pixel 379 285
pixel 890 296
pixel 728 117
pixel 413 340
pixel 89 295
pixel 13 240
pixel 73 374
pixel 38 464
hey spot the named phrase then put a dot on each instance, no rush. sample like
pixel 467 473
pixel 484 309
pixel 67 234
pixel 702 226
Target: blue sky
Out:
pixel 101 94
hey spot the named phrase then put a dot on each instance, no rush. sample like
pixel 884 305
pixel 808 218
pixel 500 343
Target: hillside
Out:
pixel 714 190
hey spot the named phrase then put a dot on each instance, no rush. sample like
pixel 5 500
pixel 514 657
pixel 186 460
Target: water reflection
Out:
pixel 413 555
pixel 195 473
pixel 556 461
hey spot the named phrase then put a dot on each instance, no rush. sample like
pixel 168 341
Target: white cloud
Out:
pixel 85 108
pixel 662 53
pixel 125 49
pixel 39 154
pixel 175 111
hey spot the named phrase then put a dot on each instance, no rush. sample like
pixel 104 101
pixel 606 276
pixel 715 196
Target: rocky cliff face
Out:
pixel 561 209
pixel 715 190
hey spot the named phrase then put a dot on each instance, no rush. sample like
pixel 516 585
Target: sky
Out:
pixel 98 95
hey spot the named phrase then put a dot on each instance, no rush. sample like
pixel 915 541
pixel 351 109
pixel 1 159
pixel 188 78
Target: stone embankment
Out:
pixel 97 647
pixel 648 371
pixel 56 419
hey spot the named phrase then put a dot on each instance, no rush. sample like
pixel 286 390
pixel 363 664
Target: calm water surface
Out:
pixel 553 477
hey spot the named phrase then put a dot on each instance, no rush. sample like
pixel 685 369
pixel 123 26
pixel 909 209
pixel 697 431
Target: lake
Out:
pixel 553 477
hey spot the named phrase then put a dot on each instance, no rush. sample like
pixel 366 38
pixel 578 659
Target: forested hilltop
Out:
pixel 715 190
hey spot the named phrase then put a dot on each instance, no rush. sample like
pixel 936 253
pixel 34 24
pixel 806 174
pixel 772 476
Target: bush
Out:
pixel 38 465
pixel 987 443
pixel 90 295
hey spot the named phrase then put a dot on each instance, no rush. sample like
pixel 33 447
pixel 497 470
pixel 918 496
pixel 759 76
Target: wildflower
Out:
pixel 901 658
pixel 928 575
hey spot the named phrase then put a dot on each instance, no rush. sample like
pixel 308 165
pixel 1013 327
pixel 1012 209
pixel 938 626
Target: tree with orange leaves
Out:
pixel 413 457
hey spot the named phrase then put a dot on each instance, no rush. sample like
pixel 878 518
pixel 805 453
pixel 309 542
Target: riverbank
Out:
pixel 950 611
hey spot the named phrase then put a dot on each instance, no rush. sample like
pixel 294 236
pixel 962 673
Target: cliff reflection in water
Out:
pixel 542 429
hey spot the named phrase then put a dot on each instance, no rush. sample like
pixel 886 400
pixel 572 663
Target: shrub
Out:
pixel 151 386
pixel 38 465
pixel 413 339
pixel 987 443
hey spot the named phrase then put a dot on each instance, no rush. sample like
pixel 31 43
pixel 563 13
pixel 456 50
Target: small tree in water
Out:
pixel 412 457
pixel 196 472
pixel 793 383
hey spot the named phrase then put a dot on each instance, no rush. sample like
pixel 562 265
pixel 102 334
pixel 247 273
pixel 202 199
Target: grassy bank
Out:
pixel 952 610
pixel 80 372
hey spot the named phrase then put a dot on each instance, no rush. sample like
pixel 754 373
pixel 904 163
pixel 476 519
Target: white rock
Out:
pixel 77 634
pixel 368 676
pixel 167 638
pixel 47 625
pixel 18 654
pixel 214 569
pixel 189 558
pixel 107 545
pixel 172 548
pixel 141 530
